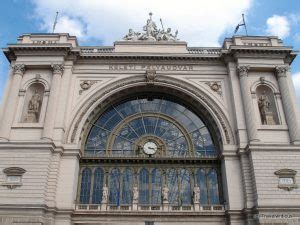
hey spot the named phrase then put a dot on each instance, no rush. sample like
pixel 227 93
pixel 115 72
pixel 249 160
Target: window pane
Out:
pixel 85 186
pixel 144 187
pixel 98 185
pixel 213 187
pixel 185 190
pixel 127 186
pixel 201 180
pixel 114 187
pixel 173 187
pixel 156 187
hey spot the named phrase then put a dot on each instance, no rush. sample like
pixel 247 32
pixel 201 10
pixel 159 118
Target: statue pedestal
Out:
pixel 197 206
pixel 103 206
pixel 270 118
pixel 30 117
pixel 165 205
pixel 134 205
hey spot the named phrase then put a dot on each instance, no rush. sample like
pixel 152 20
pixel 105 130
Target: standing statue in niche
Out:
pixel 264 106
pixel 135 194
pixel 33 110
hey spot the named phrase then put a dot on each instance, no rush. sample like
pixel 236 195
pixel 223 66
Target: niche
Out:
pixel 33 102
pixel 266 105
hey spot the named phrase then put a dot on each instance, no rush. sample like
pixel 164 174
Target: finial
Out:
pixel 150 14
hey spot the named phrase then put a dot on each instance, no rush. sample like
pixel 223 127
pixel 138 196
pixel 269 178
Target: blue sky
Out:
pixel 200 23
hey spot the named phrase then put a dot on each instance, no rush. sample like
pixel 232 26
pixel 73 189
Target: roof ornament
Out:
pixel 151 33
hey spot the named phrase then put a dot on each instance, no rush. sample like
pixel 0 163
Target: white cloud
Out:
pixel 199 22
pixel 278 26
pixel 296 80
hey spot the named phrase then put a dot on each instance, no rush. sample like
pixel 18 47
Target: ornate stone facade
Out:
pixel 149 130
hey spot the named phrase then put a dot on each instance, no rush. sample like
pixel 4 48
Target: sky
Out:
pixel 199 22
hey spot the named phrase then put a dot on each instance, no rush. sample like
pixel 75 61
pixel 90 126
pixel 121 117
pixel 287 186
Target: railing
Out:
pixel 93 50
pixel 206 51
pixel 148 208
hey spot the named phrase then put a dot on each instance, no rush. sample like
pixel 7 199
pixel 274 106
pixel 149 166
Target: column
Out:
pixel 248 104
pixel 52 103
pixel 12 101
pixel 289 109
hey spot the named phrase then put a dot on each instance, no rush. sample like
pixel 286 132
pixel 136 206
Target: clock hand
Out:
pixel 151 148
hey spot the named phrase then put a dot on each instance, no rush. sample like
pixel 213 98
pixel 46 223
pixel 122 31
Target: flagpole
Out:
pixel 245 24
pixel 55 22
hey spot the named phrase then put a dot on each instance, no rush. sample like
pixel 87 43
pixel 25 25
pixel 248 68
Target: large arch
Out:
pixel 195 98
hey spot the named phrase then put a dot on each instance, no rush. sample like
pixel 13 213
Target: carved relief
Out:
pixel 215 86
pixel 33 103
pixel 86 84
pixel 57 68
pixel 150 76
pixel 19 69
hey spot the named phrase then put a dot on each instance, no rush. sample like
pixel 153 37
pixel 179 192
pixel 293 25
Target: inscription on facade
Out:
pixel 150 67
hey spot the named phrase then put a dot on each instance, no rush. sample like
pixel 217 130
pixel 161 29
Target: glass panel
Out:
pixel 156 187
pixel 213 187
pixel 127 186
pixel 144 187
pixel 185 190
pixel 122 147
pixel 201 180
pixel 114 187
pixel 172 180
pixel 85 186
pixel 98 185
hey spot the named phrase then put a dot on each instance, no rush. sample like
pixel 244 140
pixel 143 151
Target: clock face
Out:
pixel 150 148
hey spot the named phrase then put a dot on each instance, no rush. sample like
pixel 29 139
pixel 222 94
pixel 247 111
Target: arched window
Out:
pixel 98 185
pixel 85 186
pixel 127 186
pixel 144 187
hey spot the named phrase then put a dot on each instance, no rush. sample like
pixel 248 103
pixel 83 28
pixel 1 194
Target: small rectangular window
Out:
pixel 13 179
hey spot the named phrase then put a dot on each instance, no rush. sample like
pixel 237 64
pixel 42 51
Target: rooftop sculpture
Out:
pixel 151 33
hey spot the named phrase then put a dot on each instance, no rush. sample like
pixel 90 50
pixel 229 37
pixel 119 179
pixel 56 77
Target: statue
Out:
pixel 135 194
pixel 33 110
pixel 263 105
pixel 165 193
pixel 151 33
pixel 104 194
pixel 196 194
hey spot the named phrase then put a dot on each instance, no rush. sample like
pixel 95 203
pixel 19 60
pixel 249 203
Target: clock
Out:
pixel 150 148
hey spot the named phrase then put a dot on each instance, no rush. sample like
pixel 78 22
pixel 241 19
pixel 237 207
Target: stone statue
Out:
pixel 105 194
pixel 165 193
pixel 151 33
pixel 135 194
pixel 33 110
pixel 196 194
pixel 263 105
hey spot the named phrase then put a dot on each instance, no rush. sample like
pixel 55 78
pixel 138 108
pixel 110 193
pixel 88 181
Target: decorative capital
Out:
pixel 150 76
pixel 19 69
pixel 57 68
pixel 243 70
pixel 281 71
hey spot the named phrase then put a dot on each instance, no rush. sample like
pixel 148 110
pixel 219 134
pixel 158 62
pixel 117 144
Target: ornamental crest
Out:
pixel 151 33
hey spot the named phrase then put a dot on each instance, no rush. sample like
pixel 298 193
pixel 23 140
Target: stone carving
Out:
pixel 264 106
pixel 196 194
pixel 150 76
pixel 34 107
pixel 86 84
pixel 165 193
pixel 281 71
pixel 151 33
pixel 57 69
pixel 105 194
pixel 243 70
pixel 19 69
pixel 215 86
pixel 135 198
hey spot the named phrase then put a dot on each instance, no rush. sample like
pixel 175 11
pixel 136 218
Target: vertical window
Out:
pixel 185 187
pixel 114 187
pixel 98 185
pixel 156 187
pixel 173 187
pixel 213 187
pixel 127 186
pixel 85 186
pixel 144 187
pixel 201 180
